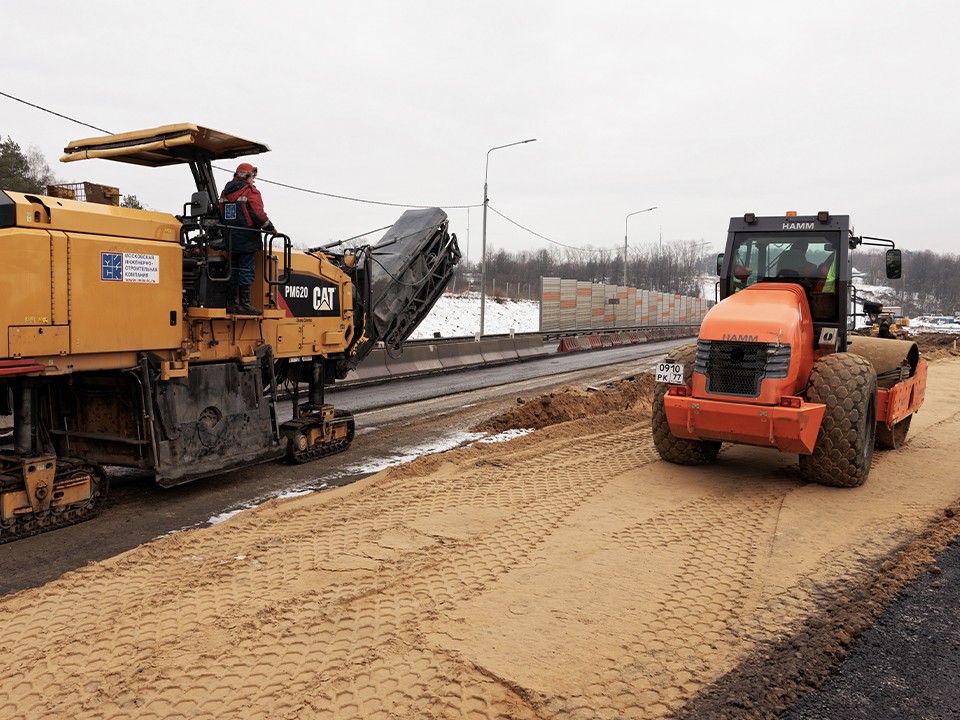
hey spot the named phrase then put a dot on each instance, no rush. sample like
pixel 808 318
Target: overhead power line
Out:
pixel 354 199
pixel 47 110
pixel 320 192
pixel 263 180
pixel 542 237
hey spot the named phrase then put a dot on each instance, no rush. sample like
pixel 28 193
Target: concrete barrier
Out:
pixel 417 359
pixel 498 350
pixel 413 360
pixel 529 347
pixel 460 355
pixel 373 367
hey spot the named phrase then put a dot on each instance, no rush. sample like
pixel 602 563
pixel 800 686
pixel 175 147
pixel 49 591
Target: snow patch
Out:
pixel 506 435
pixel 409 454
pixel 224 516
pixel 459 316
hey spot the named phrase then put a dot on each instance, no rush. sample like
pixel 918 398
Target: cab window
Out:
pixel 786 257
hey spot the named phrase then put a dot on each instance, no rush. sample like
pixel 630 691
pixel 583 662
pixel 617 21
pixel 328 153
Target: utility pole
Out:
pixel 625 238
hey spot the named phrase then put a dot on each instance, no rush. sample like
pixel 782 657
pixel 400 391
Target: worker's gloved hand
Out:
pixel 268 227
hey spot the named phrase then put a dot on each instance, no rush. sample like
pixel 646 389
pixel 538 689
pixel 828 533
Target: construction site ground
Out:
pixel 568 573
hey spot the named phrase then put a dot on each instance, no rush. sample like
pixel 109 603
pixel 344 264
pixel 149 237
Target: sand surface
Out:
pixel 566 574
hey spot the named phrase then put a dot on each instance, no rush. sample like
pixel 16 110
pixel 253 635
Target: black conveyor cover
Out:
pixel 408 269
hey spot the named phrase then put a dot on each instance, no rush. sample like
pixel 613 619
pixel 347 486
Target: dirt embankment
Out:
pixel 573 403
pixel 937 346
pixel 632 393
pixel 566 574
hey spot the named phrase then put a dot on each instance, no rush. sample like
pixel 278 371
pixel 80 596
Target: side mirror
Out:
pixel 719 264
pixel 199 204
pixel 894 264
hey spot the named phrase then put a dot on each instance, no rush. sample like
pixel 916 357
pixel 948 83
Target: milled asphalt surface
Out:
pixel 907 666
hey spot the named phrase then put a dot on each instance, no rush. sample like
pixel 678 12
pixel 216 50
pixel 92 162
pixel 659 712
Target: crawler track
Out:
pixel 341 419
pixel 68 472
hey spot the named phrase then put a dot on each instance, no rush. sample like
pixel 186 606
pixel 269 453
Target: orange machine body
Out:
pixel 777 415
pixel 774 318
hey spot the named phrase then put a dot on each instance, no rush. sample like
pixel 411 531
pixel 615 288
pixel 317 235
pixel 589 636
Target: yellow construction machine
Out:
pixel 886 321
pixel 117 349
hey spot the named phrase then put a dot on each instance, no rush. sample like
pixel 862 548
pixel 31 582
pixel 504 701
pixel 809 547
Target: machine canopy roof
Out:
pixel 160 146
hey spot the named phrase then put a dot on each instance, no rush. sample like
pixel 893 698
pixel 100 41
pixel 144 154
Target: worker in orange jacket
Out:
pixel 241 208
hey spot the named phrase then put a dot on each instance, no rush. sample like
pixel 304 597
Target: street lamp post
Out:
pixel 625 238
pixel 483 250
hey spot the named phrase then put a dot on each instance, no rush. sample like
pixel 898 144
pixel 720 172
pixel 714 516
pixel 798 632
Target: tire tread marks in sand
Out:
pixel 341 597
pixel 775 675
pixel 673 449
pixel 847 385
pixel 704 598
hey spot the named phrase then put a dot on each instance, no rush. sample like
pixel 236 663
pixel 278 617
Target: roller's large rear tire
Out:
pixel 671 448
pixel 847 385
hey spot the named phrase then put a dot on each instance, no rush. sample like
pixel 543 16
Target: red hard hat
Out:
pixel 246 168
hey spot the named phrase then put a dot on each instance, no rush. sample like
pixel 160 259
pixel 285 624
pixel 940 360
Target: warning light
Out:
pixel 791 213
pixel 823 216
pixel 750 218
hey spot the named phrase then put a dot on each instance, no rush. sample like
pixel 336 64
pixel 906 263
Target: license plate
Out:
pixel 671 373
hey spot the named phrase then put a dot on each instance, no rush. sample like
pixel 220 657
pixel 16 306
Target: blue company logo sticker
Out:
pixel 111 266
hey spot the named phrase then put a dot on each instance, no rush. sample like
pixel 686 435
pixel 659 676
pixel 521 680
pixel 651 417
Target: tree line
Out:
pixel 27 171
pixel 929 285
pixel 676 267
pixel 23 171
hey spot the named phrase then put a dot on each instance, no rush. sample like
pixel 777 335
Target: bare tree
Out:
pixel 23 171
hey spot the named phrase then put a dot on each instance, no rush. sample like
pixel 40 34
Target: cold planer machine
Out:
pixel 117 349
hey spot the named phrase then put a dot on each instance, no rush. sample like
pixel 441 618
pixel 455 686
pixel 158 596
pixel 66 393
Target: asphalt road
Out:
pixel 374 396
pixel 907 665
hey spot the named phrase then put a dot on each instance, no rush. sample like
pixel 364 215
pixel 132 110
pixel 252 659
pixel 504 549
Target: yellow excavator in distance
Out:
pixel 886 321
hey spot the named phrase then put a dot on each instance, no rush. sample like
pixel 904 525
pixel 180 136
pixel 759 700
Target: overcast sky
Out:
pixel 703 109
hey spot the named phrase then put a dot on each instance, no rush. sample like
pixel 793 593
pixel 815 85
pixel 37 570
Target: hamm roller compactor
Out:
pixel 777 363
pixel 116 347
